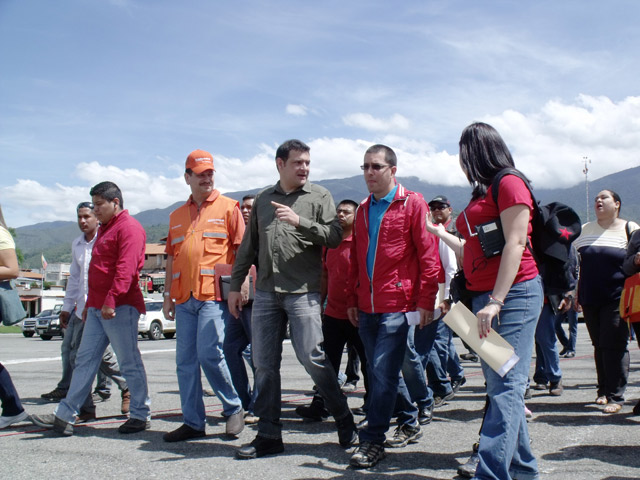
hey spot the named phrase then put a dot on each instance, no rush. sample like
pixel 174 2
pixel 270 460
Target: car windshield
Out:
pixel 153 306
pixel 45 313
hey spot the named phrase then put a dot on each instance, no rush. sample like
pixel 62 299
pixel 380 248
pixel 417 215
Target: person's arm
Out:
pixel 452 241
pixel 168 305
pixel 324 278
pixel 450 266
pixel 515 221
pixel 8 264
pixel 631 264
pixel 130 245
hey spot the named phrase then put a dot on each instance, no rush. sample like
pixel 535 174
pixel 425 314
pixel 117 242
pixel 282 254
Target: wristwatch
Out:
pixel 166 294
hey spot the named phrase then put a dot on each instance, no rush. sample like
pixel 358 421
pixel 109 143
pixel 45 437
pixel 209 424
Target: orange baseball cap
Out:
pixel 199 161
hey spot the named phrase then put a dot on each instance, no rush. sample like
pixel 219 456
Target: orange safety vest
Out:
pixel 199 244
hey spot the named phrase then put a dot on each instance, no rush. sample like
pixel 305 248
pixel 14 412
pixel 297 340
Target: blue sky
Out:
pixel 123 90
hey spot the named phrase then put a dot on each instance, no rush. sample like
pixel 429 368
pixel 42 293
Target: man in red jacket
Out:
pixel 394 275
pixel 114 304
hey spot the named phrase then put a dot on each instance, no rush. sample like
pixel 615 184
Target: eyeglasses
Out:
pixel 439 207
pixel 85 205
pixel 373 166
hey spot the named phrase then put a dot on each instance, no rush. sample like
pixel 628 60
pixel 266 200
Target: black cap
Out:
pixel 440 199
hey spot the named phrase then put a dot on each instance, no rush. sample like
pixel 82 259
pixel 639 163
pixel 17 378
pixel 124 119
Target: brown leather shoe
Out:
pixel 84 417
pixel 126 401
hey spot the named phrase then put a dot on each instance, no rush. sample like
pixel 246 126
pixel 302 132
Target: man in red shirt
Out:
pixel 114 304
pixel 336 327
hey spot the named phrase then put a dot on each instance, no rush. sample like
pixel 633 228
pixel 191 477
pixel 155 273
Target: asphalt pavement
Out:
pixel 572 438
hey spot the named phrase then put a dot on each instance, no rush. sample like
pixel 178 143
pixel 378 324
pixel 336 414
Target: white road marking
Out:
pixel 58 359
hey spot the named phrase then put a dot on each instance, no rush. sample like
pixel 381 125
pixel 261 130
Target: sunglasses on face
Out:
pixel 373 166
pixel 439 207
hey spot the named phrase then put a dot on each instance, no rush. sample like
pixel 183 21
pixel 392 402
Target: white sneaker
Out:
pixel 6 421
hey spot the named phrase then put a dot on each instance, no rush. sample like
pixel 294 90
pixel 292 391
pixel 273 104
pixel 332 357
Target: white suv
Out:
pixel 153 324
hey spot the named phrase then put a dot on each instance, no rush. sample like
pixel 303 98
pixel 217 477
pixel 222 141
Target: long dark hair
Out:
pixel 483 154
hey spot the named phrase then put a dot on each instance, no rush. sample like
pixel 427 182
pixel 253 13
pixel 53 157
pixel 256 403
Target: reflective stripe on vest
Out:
pixel 176 275
pixel 207 271
pixel 213 235
pixel 177 240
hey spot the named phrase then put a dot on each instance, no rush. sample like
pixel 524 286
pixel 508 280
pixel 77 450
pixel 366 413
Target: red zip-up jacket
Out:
pixel 406 265
pixel 116 261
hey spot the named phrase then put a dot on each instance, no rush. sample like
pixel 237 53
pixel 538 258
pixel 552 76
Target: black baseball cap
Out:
pixel 440 199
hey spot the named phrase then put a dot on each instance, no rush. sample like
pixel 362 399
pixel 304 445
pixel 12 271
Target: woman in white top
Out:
pixel 12 411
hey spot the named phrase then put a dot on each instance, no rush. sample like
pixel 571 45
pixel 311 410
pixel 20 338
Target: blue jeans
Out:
pixel 200 333
pixel 438 359
pixel 413 382
pixel 384 336
pixel 547 358
pixel 237 337
pixel 504 438
pixel 572 320
pixel 268 325
pixel 456 372
pixel 122 332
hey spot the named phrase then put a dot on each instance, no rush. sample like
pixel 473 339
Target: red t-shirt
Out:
pixel 481 272
pixel 336 263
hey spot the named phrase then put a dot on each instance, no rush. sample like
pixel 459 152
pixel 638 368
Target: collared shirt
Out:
pixel 116 261
pixel 77 285
pixel 289 258
pixel 376 212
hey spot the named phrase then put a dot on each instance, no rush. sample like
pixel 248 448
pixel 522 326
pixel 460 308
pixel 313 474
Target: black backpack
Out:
pixel 555 227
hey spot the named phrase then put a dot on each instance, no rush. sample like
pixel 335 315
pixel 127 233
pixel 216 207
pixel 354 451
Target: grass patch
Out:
pixel 11 329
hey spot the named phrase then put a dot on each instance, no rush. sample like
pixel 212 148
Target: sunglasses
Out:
pixel 85 205
pixel 439 207
pixel 373 166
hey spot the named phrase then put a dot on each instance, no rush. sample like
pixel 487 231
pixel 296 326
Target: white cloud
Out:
pixel 369 122
pixel 297 110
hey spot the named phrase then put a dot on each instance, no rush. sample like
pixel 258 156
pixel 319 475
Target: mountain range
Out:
pixel 53 239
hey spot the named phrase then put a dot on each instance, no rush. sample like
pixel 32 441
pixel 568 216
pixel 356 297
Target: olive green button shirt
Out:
pixel 289 258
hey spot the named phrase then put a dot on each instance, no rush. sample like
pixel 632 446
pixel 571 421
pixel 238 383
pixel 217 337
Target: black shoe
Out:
pixel 260 447
pixel 563 351
pixel 347 431
pixel 468 469
pixel 315 412
pixel 362 424
pixel 86 416
pixel 403 436
pixel 100 397
pixel 456 384
pixel 470 357
pixel 636 409
pixel 358 411
pixel 134 425
pixel 528 394
pixel 182 433
pixel 367 455
pixel 569 354
pixel 440 401
pixel 54 395
pixel 425 415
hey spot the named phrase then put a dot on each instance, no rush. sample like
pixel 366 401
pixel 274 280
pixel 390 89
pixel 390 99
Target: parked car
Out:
pixel 48 326
pixel 153 324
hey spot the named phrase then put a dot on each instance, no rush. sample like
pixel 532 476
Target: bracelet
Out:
pixel 494 301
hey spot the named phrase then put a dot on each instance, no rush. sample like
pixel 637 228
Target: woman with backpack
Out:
pixel 602 246
pixel 507 293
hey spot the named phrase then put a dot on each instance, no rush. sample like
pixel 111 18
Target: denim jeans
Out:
pixel 384 336
pixel 200 335
pixel 504 450
pixel 456 372
pixel 11 405
pixel 72 337
pixel 572 320
pixel 547 358
pixel 268 325
pixel 438 359
pixel 122 332
pixel 237 337
pixel 413 387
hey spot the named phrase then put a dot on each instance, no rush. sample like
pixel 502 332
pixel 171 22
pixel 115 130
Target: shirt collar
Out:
pixel 306 188
pixel 387 198
pixel 212 196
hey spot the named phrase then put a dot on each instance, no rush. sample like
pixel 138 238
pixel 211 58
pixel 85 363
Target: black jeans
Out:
pixel 610 338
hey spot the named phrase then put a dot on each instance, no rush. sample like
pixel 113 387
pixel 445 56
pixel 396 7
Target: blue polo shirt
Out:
pixel 377 209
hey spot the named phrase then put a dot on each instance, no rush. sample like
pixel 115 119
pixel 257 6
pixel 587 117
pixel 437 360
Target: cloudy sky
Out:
pixel 123 90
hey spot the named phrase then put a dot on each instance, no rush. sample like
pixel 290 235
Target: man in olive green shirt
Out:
pixel 290 223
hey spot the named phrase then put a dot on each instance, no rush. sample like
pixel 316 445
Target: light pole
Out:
pixel 585 170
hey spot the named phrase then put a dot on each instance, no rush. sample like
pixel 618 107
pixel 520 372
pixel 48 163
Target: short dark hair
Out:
pixel 483 153
pixel 389 154
pixel 288 146
pixel 248 197
pixel 108 191
pixel 349 202
pixel 616 198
